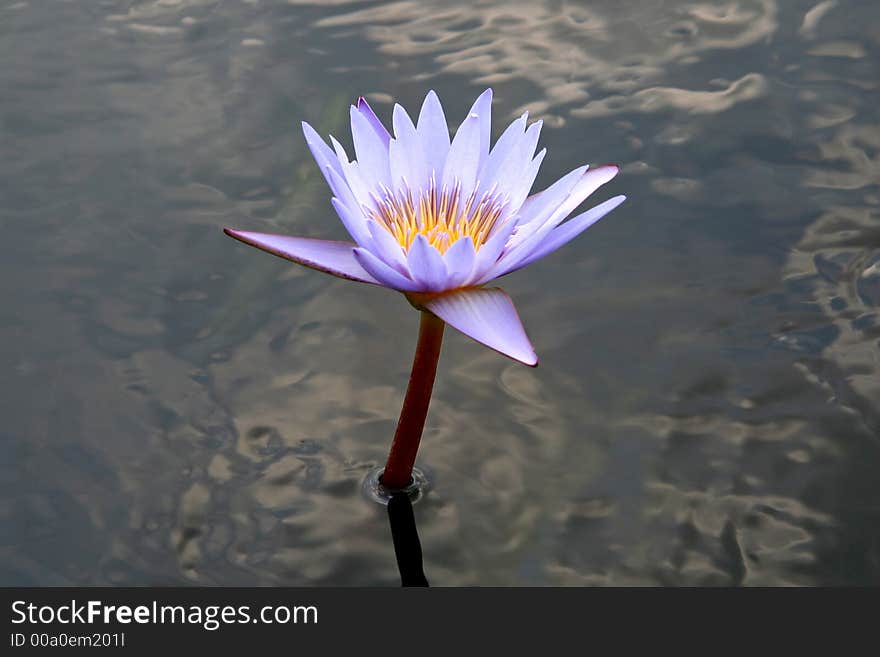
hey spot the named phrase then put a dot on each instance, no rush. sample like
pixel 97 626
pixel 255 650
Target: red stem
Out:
pixel 398 470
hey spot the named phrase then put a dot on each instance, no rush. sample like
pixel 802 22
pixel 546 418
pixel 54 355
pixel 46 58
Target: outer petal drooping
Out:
pixel 489 317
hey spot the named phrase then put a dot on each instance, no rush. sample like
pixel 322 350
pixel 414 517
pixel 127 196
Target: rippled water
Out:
pixel 181 409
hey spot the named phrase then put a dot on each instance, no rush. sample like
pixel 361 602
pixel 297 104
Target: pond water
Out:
pixel 181 409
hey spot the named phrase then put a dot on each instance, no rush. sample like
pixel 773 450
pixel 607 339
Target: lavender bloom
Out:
pixel 437 220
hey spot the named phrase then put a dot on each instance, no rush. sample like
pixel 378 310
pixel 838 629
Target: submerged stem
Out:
pixel 402 458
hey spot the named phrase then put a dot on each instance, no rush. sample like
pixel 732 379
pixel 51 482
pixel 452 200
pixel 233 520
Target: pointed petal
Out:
pixel 533 235
pixel 386 248
pixel 339 149
pixel 352 176
pixel 383 273
pixel 359 187
pixel 510 177
pixel 407 157
pixel 426 265
pixel 353 220
pixel 401 122
pixel 563 234
pixel 381 131
pixel 505 146
pixel 538 207
pixel 464 157
pixel 524 185
pixel 331 257
pixel 334 164
pixel 489 317
pixel 433 132
pixel 460 259
pixel 482 107
pixel 320 151
pixel 370 150
pixel 488 254
pixel 589 183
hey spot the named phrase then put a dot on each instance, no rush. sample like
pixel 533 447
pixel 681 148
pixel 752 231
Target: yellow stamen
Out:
pixel 443 216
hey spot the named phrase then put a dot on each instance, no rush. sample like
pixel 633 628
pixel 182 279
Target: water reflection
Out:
pixel 405 536
pixel 568 52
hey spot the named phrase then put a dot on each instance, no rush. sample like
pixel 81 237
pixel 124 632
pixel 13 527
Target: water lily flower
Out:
pixel 438 219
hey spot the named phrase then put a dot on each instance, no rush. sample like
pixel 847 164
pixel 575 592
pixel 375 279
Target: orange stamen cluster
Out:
pixel 442 216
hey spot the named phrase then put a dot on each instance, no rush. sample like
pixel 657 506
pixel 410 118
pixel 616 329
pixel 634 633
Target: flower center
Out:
pixel 443 216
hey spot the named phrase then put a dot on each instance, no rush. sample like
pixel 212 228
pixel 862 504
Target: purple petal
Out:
pixel 538 207
pixel 535 233
pixel 333 165
pixel 381 131
pixel 351 175
pixel 358 186
pixel 407 158
pixel 589 183
pixel 510 176
pixel 320 151
pixel 489 317
pixel 433 132
pixel 353 220
pixel 401 121
pixel 339 149
pixel 464 156
pixel 563 234
pixel 527 179
pixel 370 150
pixel 506 145
pixel 488 254
pixel 460 259
pixel 383 273
pixel 482 107
pixel 332 257
pixel 386 248
pixel 426 265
